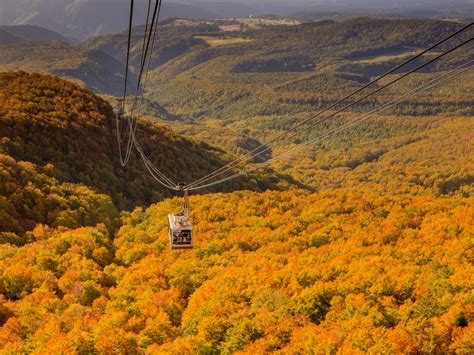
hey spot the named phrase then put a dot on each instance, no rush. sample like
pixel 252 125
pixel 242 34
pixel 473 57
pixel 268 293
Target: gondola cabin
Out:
pixel 180 232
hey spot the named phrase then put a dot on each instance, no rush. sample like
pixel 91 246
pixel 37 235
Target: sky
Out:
pixel 371 3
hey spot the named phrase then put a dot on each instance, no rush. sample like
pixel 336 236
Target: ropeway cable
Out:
pixel 327 135
pixel 246 158
pixel 130 24
pixel 133 121
pixel 129 147
pixel 119 139
pixel 147 47
pixel 153 170
pixel 331 133
pixel 153 29
pixel 140 105
pixel 149 63
pixel 161 178
pixel 257 151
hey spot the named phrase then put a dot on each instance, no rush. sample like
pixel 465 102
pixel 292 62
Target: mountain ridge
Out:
pixel 31 33
pixel 83 19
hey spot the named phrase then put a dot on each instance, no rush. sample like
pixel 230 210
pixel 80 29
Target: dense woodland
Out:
pixel 215 93
pixel 338 271
pixel 362 243
pixel 66 130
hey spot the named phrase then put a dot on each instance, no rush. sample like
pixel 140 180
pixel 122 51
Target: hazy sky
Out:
pixel 350 3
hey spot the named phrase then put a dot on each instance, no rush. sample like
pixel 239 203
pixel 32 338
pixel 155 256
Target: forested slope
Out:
pixel 410 154
pixel 68 134
pixel 353 272
pixel 29 197
pixel 238 89
pixel 288 69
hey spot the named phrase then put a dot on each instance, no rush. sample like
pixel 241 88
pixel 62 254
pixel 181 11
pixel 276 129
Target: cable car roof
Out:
pixel 179 222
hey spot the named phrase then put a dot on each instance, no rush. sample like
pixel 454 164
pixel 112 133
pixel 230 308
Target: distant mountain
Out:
pixel 219 80
pixel 85 18
pixel 212 79
pixel 24 34
pixel 93 68
pixel 98 63
pixel 81 19
pixel 173 41
pixel 460 11
pixel 8 38
pixel 28 33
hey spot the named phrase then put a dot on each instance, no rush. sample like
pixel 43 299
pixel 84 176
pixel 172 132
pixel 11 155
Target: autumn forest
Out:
pixel 359 243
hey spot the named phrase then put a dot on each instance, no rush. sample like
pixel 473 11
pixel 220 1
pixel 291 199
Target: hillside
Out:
pixel 349 272
pixel 64 131
pixel 92 68
pixel 173 41
pixel 236 84
pixel 238 89
pixel 30 194
pixel 303 67
pixel 8 38
pixel 194 62
pixel 21 34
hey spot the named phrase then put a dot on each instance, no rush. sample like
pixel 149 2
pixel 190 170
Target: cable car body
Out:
pixel 180 232
pixel 181 228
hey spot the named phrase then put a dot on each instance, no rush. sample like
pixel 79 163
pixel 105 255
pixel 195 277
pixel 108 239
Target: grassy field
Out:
pixel 402 55
pixel 223 41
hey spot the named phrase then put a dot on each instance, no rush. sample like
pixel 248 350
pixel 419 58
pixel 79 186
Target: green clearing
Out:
pixel 389 57
pixel 223 41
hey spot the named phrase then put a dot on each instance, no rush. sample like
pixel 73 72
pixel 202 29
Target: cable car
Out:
pixel 180 227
